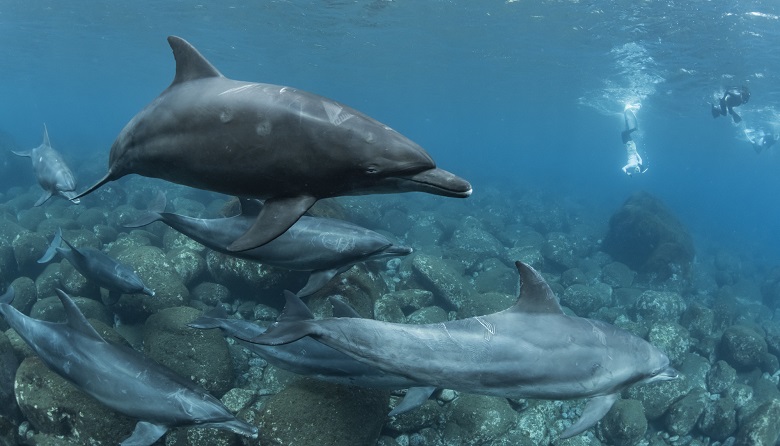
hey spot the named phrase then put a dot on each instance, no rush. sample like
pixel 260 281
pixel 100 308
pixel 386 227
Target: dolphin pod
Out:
pixel 286 146
pixel 96 266
pixel 50 170
pixel 120 377
pixel 531 350
pixel 311 358
pixel 323 246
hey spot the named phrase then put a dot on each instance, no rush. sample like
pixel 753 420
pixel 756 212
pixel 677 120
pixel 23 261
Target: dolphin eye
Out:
pixel 372 168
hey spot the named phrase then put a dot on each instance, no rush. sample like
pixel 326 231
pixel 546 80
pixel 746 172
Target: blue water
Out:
pixel 499 92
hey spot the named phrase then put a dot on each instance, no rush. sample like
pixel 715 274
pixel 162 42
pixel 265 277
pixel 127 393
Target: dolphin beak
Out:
pixel 438 182
pixel 668 374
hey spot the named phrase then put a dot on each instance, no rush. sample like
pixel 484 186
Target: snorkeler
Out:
pixel 634 164
pixel 733 97
pixel 760 139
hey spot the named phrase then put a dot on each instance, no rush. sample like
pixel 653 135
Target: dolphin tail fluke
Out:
pixel 145 433
pixel 595 410
pixel 415 397
pixel 277 216
pixel 8 297
pixel 52 251
pixel 43 199
pixel 27 154
pixel 109 177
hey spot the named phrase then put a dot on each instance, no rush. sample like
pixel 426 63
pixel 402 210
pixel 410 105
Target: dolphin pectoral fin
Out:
pixel 46 195
pixel 281 333
pixel 277 216
pixel 28 153
pixel 319 278
pixel 52 250
pixel 144 434
pixel 108 177
pixel 595 410
pixel 211 319
pixel 415 397
pixel 8 297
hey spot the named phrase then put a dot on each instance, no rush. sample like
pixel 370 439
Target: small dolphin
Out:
pixel 96 266
pixel 324 246
pixel 120 377
pixel 531 350
pixel 52 173
pixel 265 141
pixel 311 358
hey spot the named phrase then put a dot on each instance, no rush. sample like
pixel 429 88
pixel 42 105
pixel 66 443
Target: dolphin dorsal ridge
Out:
pixel 294 309
pixel 535 294
pixel 190 64
pixel 75 318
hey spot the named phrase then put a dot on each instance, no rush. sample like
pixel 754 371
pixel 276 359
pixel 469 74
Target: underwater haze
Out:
pixel 526 100
pixel 498 91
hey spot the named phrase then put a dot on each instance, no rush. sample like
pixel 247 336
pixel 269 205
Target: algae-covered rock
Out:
pixel 585 299
pixel 762 427
pixel 25 294
pixel 671 339
pixel 159 274
pixel 211 294
pixel 648 238
pixel 334 415
pixel 28 248
pixel 617 275
pixel 189 264
pixel 742 347
pixel 199 355
pixel 427 315
pixel 624 424
pixel 495 276
pixel 51 309
pixel 685 412
pixel 445 282
pixel 719 420
pixel 477 420
pixel 54 406
pixel 721 377
pixel 486 303
pixel 660 306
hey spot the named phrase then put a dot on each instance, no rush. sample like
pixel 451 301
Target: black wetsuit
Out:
pixel 733 97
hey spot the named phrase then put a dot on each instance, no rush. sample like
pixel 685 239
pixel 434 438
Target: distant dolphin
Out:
pixel 96 266
pixel 324 246
pixel 52 173
pixel 311 358
pixel 265 141
pixel 531 350
pixel 120 377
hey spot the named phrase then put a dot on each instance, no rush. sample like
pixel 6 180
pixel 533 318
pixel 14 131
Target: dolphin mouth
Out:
pixel 438 182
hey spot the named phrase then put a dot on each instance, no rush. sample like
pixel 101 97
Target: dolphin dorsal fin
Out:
pixel 76 319
pixel 294 309
pixel 250 206
pixel 190 64
pixel 535 294
pixel 343 309
pixel 46 136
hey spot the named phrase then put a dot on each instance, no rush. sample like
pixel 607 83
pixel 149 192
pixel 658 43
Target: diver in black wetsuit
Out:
pixel 761 140
pixel 634 163
pixel 733 97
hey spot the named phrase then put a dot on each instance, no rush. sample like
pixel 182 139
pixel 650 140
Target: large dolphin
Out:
pixel 324 246
pixel 265 141
pixel 120 377
pixel 96 266
pixel 531 350
pixel 315 359
pixel 50 169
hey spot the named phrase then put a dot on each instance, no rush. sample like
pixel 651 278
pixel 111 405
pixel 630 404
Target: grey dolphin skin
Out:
pixel 96 266
pixel 52 173
pixel 120 377
pixel 265 141
pixel 311 358
pixel 324 246
pixel 531 350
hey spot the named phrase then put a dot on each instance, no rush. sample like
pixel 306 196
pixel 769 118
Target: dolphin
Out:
pixel 120 377
pixel 324 246
pixel 284 145
pixel 531 350
pixel 96 266
pixel 311 358
pixel 50 169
